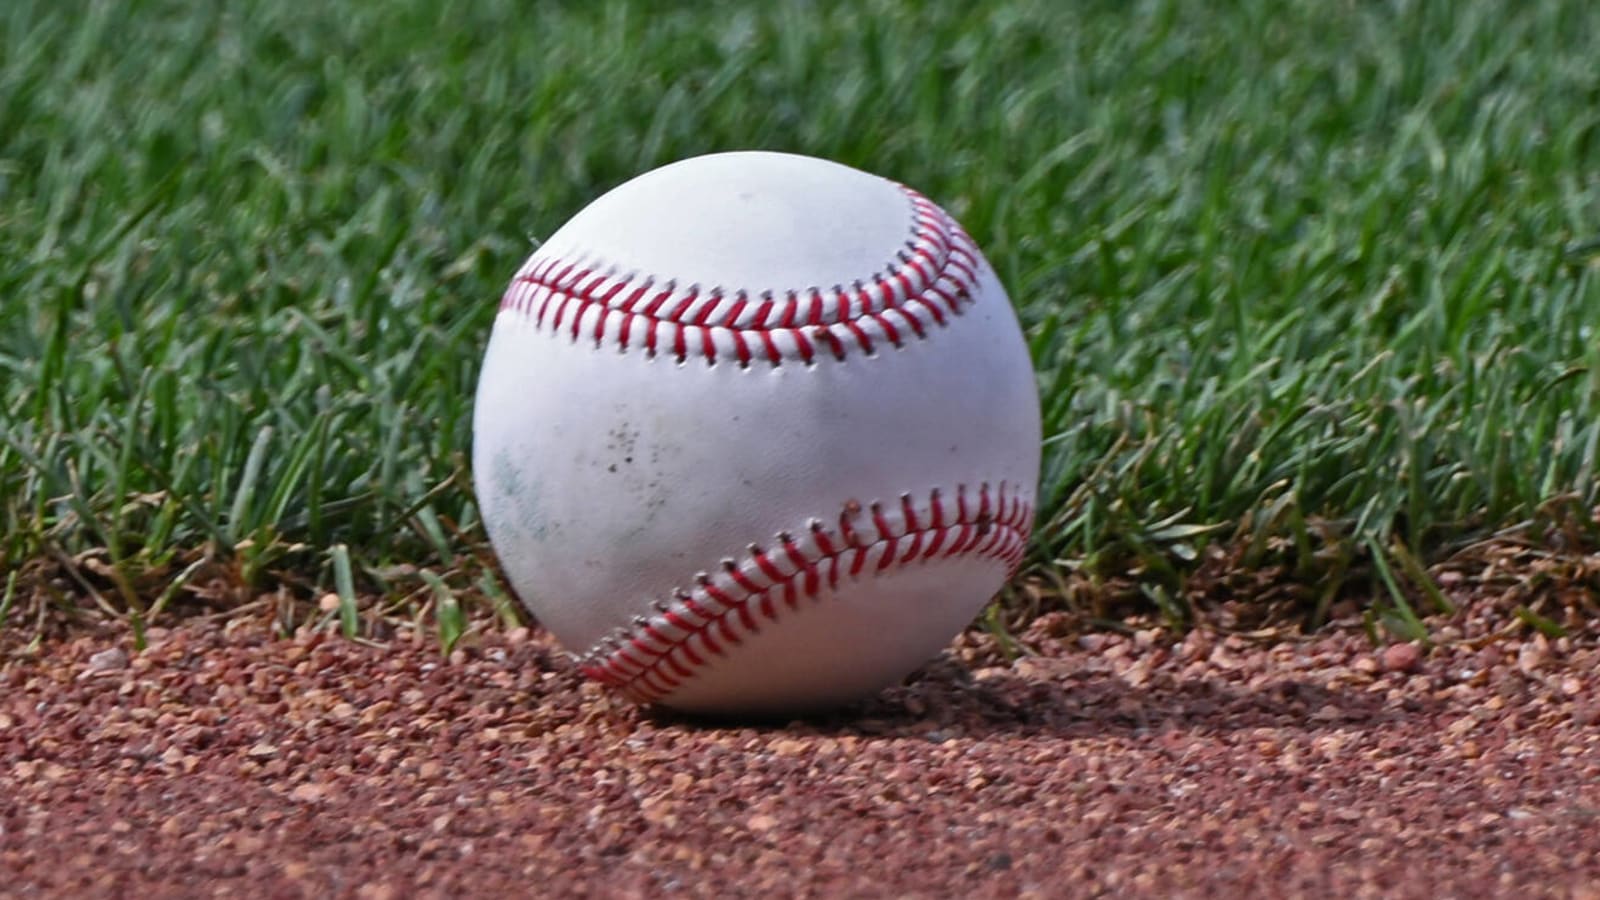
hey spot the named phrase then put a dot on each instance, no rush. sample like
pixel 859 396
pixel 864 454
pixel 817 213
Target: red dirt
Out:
pixel 222 762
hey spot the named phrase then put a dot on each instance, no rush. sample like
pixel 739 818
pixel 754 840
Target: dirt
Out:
pixel 225 762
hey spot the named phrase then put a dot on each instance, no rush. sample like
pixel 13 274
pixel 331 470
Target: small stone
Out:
pixel 762 823
pixel 1530 657
pixel 328 602
pixel 1402 658
pixel 1327 713
pixel 109 660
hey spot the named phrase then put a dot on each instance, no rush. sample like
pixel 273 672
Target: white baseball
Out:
pixel 756 433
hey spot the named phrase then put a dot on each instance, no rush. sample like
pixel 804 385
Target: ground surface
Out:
pixel 225 762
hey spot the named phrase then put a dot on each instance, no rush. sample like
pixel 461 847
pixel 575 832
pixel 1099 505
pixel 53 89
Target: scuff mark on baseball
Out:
pixel 776 357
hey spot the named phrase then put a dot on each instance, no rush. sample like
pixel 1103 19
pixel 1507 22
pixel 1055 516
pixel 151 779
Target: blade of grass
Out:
pixel 8 597
pixel 1400 619
pixel 239 519
pixel 344 584
pixel 447 614
pixel 1539 623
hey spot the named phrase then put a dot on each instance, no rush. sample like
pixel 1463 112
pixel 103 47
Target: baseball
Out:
pixel 756 433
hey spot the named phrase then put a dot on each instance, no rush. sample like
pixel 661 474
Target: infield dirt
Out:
pixel 223 762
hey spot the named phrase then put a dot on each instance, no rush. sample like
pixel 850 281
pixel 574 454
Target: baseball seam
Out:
pixel 657 654
pixel 932 278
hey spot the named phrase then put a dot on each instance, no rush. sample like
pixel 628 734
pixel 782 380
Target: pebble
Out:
pixel 1402 658
pixel 111 660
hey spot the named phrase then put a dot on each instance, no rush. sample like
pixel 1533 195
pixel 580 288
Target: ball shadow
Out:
pixel 1087 703
pixel 945 699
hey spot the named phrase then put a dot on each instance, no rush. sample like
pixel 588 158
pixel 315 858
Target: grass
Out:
pixel 1315 282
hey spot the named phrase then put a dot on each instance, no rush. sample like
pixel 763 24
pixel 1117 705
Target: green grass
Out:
pixel 1314 279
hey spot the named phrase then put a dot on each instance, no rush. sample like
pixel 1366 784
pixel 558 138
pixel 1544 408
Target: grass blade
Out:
pixel 1400 619
pixel 344 585
pixel 447 613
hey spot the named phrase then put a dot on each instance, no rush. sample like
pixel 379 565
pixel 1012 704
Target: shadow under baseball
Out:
pixel 944 700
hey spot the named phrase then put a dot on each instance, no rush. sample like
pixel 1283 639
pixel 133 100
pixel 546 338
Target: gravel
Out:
pixel 224 762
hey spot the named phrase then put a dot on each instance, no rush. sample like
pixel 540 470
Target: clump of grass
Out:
pixel 1314 280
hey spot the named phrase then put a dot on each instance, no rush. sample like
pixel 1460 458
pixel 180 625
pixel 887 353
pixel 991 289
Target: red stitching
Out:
pixel 932 277
pixel 656 655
